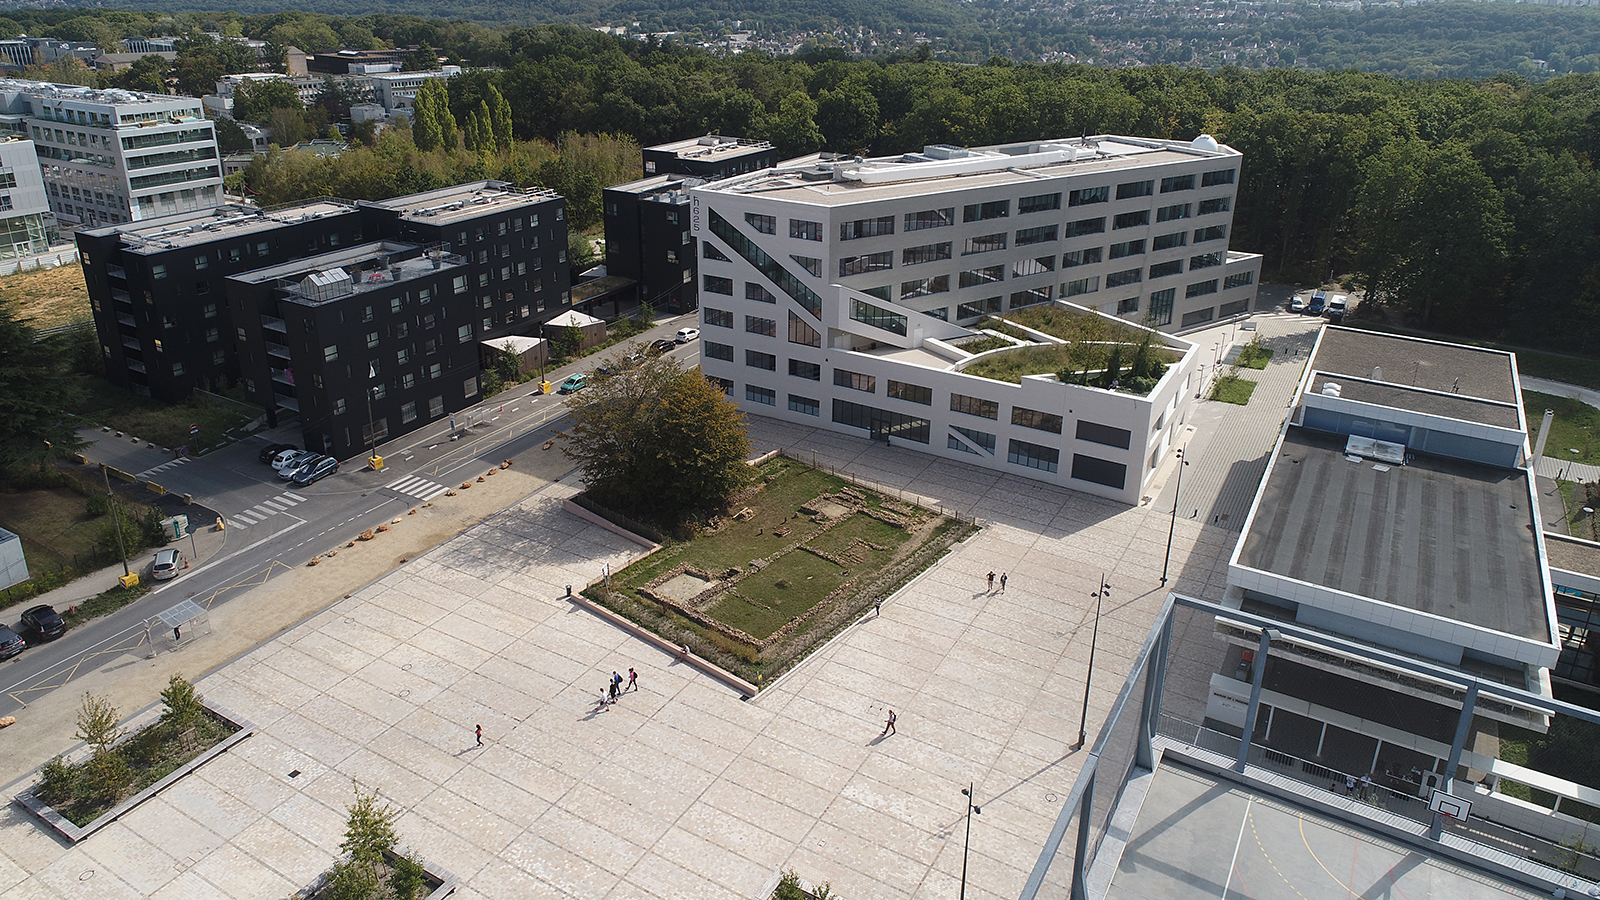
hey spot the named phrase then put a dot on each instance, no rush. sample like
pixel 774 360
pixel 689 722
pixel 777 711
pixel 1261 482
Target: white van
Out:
pixel 1337 305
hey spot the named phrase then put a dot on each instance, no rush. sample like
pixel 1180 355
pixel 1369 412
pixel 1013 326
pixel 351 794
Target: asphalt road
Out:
pixel 285 526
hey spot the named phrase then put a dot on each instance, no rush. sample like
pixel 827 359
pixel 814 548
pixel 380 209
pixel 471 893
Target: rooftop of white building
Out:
pixel 712 146
pixel 106 96
pixel 827 180
pixel 1398 361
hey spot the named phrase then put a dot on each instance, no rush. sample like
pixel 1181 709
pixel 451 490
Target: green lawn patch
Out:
pixel 1576 426
pixel 984 344
pixel 163 424
pixel 796 558
pixel 1254 355
pixel 1232 389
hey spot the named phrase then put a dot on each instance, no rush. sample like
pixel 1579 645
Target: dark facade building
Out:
pixel 648 240
pixel 709 157
pixel 399 292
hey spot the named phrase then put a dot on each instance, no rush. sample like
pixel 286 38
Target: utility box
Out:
pixel 129 580
pixel 376 462
pixel 175 527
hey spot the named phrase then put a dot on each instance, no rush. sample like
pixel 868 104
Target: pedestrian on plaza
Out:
pixel 888 727
pixel 877 607
pixel 683 653
pixel 480 735
pixel 1349 785
pixel 991 581
pixel 633 679
pixel 1002 582
pixel 612 687
pixel 616 679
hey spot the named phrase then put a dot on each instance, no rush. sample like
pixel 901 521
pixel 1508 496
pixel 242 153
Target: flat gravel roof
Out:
pixel 1433 403
pixel 1451 368
pixel 1451 538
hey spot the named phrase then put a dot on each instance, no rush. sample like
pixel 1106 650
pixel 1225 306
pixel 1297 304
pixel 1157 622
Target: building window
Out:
pixel 1040 203
pixel 1043 233
pixel 1104 434
pixel 1032 418
pixel 984 243
pixel 1201 288
pixel 764 396
pixel 763 224
pixel 1177 183
pixel 1086 196
pixel 1131 219
pixel 1220 176
pixel 855 381
pixel 922 287
pixel 722 384
pixel 402 356
pixel 930 218
pixel 1162 270
pixel 330 353
pixel 1033 456
pixel 714 350
pixel 914 256
pixel 1129 190
pixel 464 334
pixel 1169 241
pixel 1213 233
pixel 877 317
pixel 802 230
pixel 1199 316
pixel 810 371
pixel 986 275
pixel 809 263
pixel 209 311
pixel 459 284
pixel 338 406
pixel 804 405
pixel 1172 213
pixel 1127 248
pixel 177 368
pixel 716 284
pixel 721 318
pixel 434 371
pixel 408 412
pixel 1127 276
pixel 872 262
pixel 201 262
pixel 710 251
pixel 866 228
pixel 982 212
pixel 1033 296
pixel 1081 286
pixel 880 422
pixel 911 393
pixel 988 306
pixel 1128 305
pixel 158 271
pixel 755 359
pixel 1214 205
pixel 1084 226
pixel 974 406
pixel 372 339
pixel 213 335
pixel 759 325
pixel 983 439
pixel 1083 257
pixel 1205 260
pixel 1022 268
pixel 1161 306
pixel 469 388
pixel 1238 280
pixel 801 332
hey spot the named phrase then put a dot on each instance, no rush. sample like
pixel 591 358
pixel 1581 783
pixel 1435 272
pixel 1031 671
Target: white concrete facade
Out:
pixel 111 156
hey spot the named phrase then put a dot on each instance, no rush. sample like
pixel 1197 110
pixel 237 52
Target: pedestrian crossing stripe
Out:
pixel 420 488
pixel 163 467
pixel 255 515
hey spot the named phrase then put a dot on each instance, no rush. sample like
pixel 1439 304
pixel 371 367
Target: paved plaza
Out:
pixel 681 790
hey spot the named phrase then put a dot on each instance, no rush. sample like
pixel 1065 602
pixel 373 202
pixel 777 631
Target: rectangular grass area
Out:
pixel 1233 389
pixel 1575 427
pixel 162 424
pixel 765 575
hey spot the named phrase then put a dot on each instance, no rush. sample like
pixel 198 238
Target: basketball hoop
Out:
pixel 1448 805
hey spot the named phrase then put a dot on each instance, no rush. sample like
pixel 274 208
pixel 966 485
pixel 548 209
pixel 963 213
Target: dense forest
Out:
pixel 1426 40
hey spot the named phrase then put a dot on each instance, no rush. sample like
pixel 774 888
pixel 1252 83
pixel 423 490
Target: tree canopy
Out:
pixel 34 389
pixel 657 440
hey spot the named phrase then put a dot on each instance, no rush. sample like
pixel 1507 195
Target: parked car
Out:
pixel 271 451
pixel 43 622
pixel 659 347
pixel 288 472
pixel 1298 305
pixel 1338 304
pixel 11 643
pixel 168 564
pixel 574 383
pixel 1318 304
pixel 685 335
pixel 290 458
pixel 316 472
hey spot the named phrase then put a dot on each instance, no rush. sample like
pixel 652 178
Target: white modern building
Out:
pixel 840 292
pixel 111 156
pixel 27 226
pixel 397 91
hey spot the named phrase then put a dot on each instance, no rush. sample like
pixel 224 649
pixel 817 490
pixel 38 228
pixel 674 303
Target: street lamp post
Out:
pixel 116 520
pixel 1177 492
pixel 1088 679
pixel 967 844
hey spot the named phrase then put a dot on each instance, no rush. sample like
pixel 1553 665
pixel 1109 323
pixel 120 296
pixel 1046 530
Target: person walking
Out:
pixel 991 581
pixel 616 680
pixel 633 679
pixel 612 686
pixel 1349 785
pixel 877 607
pixel 480 735
pixel 1002 582
pixel 888 727
pixel 1366 786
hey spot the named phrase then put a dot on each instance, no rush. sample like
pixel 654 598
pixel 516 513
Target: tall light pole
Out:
pixel 1177 491
pixel 116 520
pixel 372 427
pixel 967 844
pixel 1088 679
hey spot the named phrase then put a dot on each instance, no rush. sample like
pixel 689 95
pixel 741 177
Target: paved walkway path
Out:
pixel 681 790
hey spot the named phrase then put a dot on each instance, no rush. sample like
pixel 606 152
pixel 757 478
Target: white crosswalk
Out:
pixel 420 488
pixel 257 514
pixel 163 467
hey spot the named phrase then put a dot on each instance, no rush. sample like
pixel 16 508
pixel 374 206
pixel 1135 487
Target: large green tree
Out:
pixel 658 440
pixel 35 390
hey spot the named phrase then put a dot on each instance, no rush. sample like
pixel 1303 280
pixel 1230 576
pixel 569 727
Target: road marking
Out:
pixel 277 507
pixel 293 496
pixel 162 467
pixel 262 511
pixel 420 488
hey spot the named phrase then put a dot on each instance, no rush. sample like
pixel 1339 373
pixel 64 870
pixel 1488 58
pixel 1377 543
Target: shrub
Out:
pixel 183 703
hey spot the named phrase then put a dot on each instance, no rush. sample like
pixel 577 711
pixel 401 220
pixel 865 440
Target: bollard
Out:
pixel 569 590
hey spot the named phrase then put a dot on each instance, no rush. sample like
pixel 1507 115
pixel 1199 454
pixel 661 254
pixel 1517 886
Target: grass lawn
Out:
pixel 163 424
pixel 984 344
pixel 790 583
pixel 55 527
pixel 1254 356
pixel 1232 389
pixel 46 298
pixel 1576 426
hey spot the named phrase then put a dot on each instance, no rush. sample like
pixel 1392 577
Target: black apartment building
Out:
pixel 207 300
pixel 647 221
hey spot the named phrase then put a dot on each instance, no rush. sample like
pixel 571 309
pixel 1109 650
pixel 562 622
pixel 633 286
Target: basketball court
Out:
pixel 1200 836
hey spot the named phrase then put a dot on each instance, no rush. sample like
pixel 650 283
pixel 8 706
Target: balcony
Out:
pixel 121 296
pixel 272 323
pixel 278 351
pixel 284 401
pixel 284 377
pixel 132 343
pixel 127 320
pixel 116 272
pixel 136 366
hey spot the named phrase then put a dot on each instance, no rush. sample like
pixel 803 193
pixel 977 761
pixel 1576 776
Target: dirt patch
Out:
pixel 829 509
pixel 683 587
